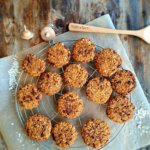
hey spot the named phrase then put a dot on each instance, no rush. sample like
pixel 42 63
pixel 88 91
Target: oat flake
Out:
pixel 13 72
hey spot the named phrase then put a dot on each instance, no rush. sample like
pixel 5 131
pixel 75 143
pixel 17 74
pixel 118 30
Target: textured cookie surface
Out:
pixel 58 55
pixel 75 75
pixel 98 90
pixel 50 83
pixel 70 105
pixel 38 127
pixel 95 133
pixel 64 134
pixel 29 96
pixel 83 50
pixel 107 62
pixel 120 109
pixel 33 65
pixel 123 82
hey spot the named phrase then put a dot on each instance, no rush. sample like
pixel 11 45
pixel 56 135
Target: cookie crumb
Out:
pixel 12 124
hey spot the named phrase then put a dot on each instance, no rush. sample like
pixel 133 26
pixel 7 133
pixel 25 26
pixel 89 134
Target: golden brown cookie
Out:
pixel 58 55
pixel 120 109
pixel 70 105
pixel 64 134
pixel 98 90
pixel 38 127
pixel 33 65
pixel 107 62
pixel 75 75
pixel 123 82
pixel 95 133
pixel 50 83
pixel 29 96
pixel 83 50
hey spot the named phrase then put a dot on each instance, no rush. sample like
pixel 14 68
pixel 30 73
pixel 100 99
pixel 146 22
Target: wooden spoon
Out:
pixel 142 33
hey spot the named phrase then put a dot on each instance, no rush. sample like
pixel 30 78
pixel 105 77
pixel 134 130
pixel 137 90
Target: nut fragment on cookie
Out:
pixel 95 133
pixel 107 62
pixel 83 50
pixel 75 75
pixel 33 65
pixel 123 82
pixel 70 105
pixel 28 96
pixel 50 83
pixel 64 134
pixel 120 109
pixel 38 127
pixel 58 55
pixel 98 90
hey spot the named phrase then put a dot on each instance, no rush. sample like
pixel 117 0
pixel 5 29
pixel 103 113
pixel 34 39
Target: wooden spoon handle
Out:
pixel 87 28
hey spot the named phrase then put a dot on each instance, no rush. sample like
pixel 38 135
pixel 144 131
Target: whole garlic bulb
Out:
pixel 48 34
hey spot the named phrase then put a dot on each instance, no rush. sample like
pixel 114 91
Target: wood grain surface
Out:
pixel 35 14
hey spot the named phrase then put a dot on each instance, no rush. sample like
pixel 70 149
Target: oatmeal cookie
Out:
pixel 50 83
pixel 120 109
pixel 123 82
pixel 38 127
pixel 83 50
pixel 64 134
pixel 75 75
pixel 33 65
pixel 107 62
pixel 58 55
pixel 70 105
pixel 29 96
pixel 98 90
pixel 95 133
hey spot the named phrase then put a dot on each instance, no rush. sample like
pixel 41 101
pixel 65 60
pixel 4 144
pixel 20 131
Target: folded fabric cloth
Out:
pixel 134 135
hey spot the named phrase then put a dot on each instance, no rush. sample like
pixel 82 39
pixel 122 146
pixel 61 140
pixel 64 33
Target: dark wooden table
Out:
pixel 35 14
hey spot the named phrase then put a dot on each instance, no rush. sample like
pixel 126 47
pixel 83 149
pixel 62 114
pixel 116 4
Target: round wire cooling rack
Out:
pixel 48 104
